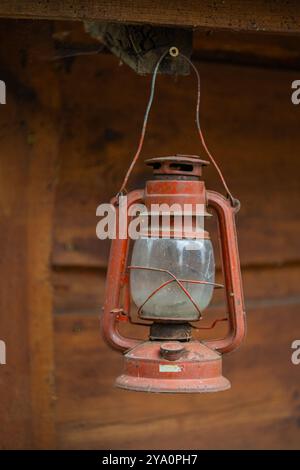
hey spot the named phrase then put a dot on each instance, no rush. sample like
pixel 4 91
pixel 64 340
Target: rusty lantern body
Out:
pixel 171 360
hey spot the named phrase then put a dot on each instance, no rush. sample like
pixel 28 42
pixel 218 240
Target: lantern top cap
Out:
pixel 187 166
pixel 178 158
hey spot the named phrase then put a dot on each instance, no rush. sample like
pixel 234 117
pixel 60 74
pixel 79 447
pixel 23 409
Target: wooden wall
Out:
pixel 68 133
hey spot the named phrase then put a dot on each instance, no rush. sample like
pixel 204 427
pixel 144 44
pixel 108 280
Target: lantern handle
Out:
pixel 231 272
pixel 234 202
pixel 114 283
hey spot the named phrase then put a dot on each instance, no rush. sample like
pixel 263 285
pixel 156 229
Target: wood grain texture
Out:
pixel 257 153
pixel 264 50
pixel 41 192
pixel 271 50
pixel 67 135
pixel 81 291
pixel 257 15
pixel 260 411
pixel 29 137
pixel 258 141
pixel 14 376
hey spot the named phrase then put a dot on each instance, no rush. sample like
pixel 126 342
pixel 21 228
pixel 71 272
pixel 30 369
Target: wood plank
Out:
pixel 29 138
pixel 260 411
pixel 264 50
pixel 14 376
pixel 251 145
pixel 249 15
pixel 81 291
pixel 42 176
pixel 271 50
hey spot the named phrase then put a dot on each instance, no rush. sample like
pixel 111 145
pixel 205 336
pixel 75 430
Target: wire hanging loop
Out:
pixel 122 190
pixel 174 52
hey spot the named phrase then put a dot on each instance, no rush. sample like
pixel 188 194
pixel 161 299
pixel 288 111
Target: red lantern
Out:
pixel 170 278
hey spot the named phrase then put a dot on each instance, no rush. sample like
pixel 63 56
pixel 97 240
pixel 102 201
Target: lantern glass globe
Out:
pixel 187 259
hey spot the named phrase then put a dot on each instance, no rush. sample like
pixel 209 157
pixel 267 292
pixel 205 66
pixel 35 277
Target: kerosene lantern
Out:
pixel 171 279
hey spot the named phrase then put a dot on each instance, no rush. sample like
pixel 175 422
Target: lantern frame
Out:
pixel 143 360
pixel 117 278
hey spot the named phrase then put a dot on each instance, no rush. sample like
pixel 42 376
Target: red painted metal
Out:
pixel 175 192
pixel 198 369
pixel 232 273
pixel 172 351
pixel 210 327
pixel 199 364
pixel 114 280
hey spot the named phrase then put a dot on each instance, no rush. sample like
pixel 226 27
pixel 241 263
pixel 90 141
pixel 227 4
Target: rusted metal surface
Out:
pixel 199 369
pixel 231 272
pixel 170 331
pixel 196 367
pixel 176 192
pixel 115 276
pixel 210 327
pixel 181 165
pixel 172 351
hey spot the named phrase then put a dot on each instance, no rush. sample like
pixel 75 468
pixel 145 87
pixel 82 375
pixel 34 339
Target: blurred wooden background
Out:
pixel 67 133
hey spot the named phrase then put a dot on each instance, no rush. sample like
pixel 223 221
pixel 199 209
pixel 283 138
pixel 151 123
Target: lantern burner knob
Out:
pixel 177 167
pixel 172 350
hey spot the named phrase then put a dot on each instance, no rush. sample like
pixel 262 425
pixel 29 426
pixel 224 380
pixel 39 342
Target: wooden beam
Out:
pixel 249 15
pixel 42 177
pixel 26 325
pixel 28 176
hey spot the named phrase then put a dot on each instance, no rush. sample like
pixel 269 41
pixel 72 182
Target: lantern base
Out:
pixel 198 369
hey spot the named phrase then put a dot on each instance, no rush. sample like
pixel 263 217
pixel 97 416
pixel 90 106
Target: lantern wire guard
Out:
pixel 179 282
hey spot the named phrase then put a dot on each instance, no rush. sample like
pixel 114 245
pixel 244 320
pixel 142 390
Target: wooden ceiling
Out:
pixel 247 15
pixel 245 48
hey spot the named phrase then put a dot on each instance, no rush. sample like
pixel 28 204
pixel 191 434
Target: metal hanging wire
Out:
pixel 173 52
